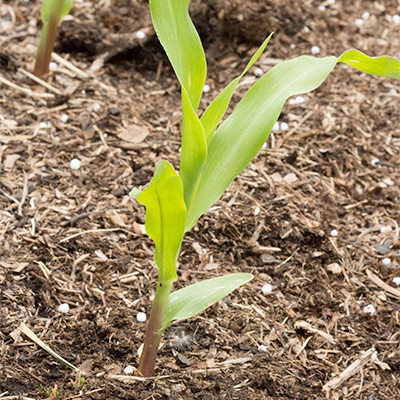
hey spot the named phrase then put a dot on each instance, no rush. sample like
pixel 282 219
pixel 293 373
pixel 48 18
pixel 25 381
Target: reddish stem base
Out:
pixel 154 333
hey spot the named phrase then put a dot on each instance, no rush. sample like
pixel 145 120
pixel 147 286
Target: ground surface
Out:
pixel 76 237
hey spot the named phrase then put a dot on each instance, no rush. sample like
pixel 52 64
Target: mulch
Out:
pixel 329 328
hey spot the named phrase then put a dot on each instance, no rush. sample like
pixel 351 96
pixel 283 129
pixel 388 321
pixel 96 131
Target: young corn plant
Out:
pixel 213 154
pixel 52 13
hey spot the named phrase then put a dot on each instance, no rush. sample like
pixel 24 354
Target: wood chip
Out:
pixel 102 257
pixel 334 268
pixel 290 178
pixel 308 327
pixel 116 218
pixel 15 266
pixel 10 160
pixel 134 134
pixel 387 288
pixel 352 369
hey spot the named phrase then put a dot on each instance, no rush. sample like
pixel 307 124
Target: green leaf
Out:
pixel 216 110
pixel 194 148
pixel 165 217
pixel 240 137
pixel 382 66
pixel 61 7
pixel 66 8
pixel 192 300
pixel 182 44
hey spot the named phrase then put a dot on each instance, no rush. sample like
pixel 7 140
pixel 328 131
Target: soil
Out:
pixel 74 236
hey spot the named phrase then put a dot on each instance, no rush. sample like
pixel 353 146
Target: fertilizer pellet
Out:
pixel 141 317
pixel 315 50
pixel 267 288
pixel 370 309
pixel 75 164
pixel 63 308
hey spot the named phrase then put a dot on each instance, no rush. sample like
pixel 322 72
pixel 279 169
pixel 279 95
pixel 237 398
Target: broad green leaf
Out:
pixel 239 137
pixel 382 66
pixel 182 44
pixel 165 217
pixel 216 110
pixel 192 300
pixel 55 7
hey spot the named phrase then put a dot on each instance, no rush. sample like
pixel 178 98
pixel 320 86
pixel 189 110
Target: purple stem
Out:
pixel 154 333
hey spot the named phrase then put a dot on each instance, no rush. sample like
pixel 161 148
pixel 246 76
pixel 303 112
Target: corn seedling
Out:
pixel 213 154
pixel 52 14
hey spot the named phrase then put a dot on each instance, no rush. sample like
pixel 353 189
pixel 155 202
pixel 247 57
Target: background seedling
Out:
pixel 212 156
pixel 52 13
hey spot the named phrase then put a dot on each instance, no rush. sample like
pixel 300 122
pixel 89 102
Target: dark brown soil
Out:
pixel 76 237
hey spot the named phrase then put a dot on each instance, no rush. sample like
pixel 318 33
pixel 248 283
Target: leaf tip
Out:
pixel 247 278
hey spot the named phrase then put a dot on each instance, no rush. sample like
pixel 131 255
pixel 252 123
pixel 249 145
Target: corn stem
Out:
pixel 47 39
pixel 154 332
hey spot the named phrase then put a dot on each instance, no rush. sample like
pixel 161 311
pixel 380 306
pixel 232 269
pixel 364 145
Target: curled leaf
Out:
pixel 381 66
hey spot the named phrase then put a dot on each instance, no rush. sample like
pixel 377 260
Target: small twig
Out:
pixel 131 379
pixel 101 134
pixel 8 196
pixel 40 81
pixel 354 205
pixel 96 231
pixel 46 272
pixel 24 194
pixel 79 396
pixel 379 282
pixel 21 138
pixel 81 73
pixel 24 329
pixel 308 327
pixel 287 259
pixel 78 378
pixel 4 231
pixel 257 248
pixel 84 215
pixel 303 346
pixel 27 91
pixel 18 138
pixel 351 370
pixel 70 66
